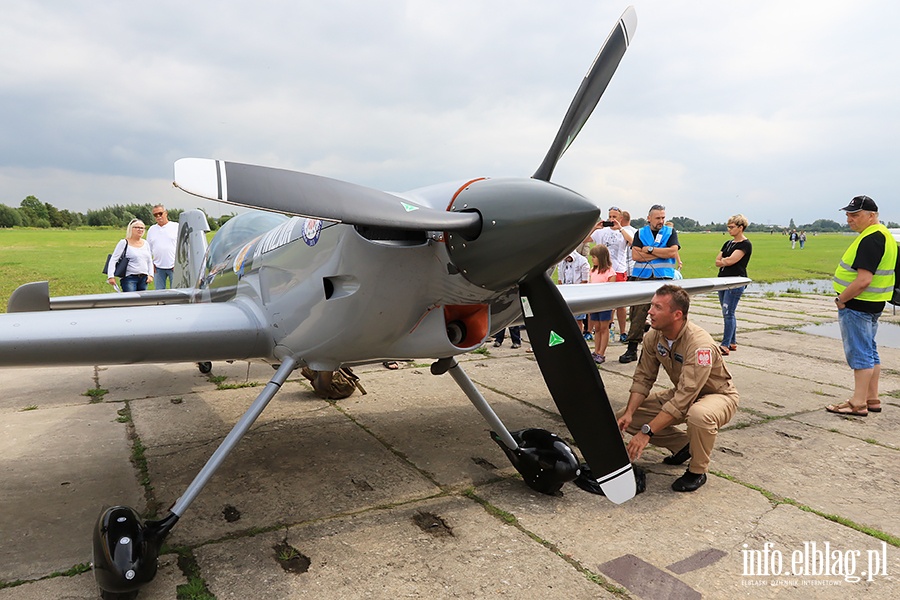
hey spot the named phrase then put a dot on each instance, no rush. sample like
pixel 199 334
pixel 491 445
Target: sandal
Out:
pixel 390 364
pixel 732 347
pixel 845 408
pixel 725 351
pixel 874 407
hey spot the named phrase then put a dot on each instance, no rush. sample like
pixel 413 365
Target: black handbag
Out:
pixel 121 266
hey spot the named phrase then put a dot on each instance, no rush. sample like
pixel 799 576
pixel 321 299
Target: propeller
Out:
pixel 566 365
pixel 306 195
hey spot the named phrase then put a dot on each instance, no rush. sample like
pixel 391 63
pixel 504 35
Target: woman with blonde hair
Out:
pixel 601 272
pixel 140 263
pixel 732 262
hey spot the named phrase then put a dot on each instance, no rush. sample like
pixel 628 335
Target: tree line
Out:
pixel 31 212
pixel 34 213
pixel 819 225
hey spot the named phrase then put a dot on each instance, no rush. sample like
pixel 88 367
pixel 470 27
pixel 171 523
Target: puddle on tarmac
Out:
pixel 806 286
pixel 888 333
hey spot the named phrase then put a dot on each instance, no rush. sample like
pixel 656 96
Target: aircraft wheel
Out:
pixel 205 367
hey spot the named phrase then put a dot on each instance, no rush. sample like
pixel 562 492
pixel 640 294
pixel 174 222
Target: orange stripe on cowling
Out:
pixel 461 188
pixel 455 195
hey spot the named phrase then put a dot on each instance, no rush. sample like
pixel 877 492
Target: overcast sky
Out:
pixel 774 109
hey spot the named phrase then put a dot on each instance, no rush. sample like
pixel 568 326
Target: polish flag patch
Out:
pixel 704 357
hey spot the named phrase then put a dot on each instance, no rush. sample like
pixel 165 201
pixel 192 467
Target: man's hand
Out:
pixel 624 422
pixel 636 446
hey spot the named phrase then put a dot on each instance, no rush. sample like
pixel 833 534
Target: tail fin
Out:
pixel 190 252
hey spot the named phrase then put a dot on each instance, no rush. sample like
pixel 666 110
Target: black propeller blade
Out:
pixel 305 195
pixel 576 387
pixel 570 373
pixel 588 94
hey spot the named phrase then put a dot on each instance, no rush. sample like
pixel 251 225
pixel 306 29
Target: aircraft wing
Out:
pixel 133 334
pixel 595 297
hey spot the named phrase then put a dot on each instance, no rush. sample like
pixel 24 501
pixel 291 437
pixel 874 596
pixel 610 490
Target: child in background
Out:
pixel 601 272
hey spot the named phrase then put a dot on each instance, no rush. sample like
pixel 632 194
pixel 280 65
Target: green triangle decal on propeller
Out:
pixel 409 207
pixel 555 339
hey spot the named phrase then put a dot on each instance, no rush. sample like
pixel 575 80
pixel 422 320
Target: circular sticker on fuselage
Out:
pixel 311 230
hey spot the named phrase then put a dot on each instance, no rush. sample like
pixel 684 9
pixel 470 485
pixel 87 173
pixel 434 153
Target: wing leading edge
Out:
pixel 126 335
pixel 594 297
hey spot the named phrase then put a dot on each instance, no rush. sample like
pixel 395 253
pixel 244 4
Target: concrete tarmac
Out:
pixel 401 493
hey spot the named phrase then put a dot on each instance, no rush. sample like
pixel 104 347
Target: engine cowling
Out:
pixel 528 225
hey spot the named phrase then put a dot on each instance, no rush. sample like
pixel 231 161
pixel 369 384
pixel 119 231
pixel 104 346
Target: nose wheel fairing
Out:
pixel 543 459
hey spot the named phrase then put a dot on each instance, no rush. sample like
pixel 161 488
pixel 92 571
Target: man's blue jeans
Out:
pixel 161 276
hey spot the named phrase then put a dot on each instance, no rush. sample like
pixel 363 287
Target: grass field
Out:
pixel 772 258
pixel 72 260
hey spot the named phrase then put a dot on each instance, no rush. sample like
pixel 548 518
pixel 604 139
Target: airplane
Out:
pixel 326 273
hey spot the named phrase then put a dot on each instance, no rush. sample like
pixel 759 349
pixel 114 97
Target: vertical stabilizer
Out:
pixel 191 249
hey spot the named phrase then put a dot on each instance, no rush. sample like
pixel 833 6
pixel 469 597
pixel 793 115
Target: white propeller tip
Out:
pixel 202 177
pixel 620 488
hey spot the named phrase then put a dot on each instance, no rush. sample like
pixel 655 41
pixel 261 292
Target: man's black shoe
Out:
pixel 679 457
pixel 630 354
pixel 689 482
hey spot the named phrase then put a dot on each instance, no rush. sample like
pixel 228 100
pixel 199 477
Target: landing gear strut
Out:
pixel 126 548
pixel 543 459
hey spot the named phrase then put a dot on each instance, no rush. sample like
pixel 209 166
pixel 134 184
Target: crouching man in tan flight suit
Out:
pixel 704 395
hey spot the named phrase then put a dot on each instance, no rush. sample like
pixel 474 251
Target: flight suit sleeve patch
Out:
pixel 704 357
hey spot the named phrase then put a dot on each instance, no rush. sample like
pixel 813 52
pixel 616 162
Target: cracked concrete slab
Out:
pixel 59 468
pixel 83 586
pixel 45 387
pixel 385 554
pixel 452 442
pixel 286 471
pixel 830 472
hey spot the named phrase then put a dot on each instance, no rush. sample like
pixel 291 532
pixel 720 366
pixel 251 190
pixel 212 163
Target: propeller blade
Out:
pixel 588 94
pixel 576 387
pixel 305 195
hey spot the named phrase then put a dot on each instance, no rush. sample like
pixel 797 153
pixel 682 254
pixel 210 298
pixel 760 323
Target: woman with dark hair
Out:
pixel 732 262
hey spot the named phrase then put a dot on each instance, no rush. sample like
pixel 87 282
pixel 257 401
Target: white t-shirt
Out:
pixel 618 247
pixel 162 240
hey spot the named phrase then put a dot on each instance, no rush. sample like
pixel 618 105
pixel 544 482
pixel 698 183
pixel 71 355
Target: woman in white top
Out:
pixel 140 262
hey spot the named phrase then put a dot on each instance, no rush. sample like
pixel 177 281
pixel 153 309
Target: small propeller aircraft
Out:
pixel 357 275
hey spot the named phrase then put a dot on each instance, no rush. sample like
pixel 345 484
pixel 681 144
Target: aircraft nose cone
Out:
pixel 528 225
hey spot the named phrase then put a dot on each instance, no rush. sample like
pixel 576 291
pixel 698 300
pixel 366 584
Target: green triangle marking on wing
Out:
pixel 555 339
pixel 409 207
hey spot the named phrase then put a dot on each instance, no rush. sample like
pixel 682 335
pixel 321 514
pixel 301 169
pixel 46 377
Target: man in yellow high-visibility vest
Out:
pixel 864 281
